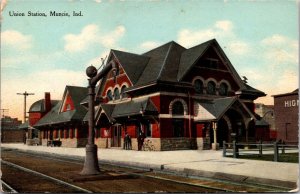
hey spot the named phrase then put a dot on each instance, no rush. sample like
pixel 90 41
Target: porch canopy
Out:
pixel 214 110
pixel 134 107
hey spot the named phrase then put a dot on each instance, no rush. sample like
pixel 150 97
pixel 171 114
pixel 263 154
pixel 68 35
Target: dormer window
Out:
pixel 109 95
pixel 198 84
pixel 116 94
pixel 123 95
pixel 211 88
pixel 223 91
pixel 68 107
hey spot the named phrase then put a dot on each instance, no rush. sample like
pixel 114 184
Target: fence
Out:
pixel 259 148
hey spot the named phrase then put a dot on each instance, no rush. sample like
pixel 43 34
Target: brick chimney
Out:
pixel 47 102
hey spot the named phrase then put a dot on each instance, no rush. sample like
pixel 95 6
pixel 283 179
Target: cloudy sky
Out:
pixel 43 54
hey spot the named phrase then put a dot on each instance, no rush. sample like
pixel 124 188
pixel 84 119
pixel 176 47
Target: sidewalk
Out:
pixel 207 163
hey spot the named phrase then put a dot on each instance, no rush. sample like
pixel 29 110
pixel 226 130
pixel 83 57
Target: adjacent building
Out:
pixel 286 108
pixel 36 112
pixel 10 133
pixel 265 122
pixel 64 123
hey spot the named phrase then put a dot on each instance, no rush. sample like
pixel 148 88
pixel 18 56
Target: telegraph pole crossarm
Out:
pixel 25 94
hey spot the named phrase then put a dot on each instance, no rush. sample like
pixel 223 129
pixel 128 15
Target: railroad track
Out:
pixel 51 183
pixel 208 184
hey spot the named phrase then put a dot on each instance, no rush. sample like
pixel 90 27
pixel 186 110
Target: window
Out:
pixel 223 89
pixel 198 86
pixel 109 95
pixel 177 108
pixel 68 107
pixel 123 95
pixel 116 94
pixel 211 88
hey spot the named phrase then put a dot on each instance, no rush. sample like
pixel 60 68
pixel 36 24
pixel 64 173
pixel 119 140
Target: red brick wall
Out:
pixel 199 130
pixel 131 130
pixel 34 117
pixel 156 102
pixel 155 130
pixel 286 117
pixel 12 136
pixel 206 73
pixel 121 79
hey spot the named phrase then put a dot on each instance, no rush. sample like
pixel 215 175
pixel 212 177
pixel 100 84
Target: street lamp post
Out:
pixel 91 166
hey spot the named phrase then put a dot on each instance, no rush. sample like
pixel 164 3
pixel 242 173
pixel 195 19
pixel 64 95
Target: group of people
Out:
pixel 140 140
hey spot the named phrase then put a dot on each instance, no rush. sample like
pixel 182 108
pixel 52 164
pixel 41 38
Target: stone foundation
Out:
pixel 103 142
pixel 180 143
pixel 152 144
pixel 71 143
pixel 200 142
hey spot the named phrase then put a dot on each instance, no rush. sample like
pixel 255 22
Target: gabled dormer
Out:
pixel 130 66
pixel 68 103
pixel 72 97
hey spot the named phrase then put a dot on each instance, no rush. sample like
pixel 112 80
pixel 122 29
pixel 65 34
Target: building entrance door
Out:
pixel 116 136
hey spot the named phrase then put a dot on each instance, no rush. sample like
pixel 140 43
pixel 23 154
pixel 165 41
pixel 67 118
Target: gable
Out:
pixel 212 60
pixel 110 83
pixel 68 103
pixel 211 63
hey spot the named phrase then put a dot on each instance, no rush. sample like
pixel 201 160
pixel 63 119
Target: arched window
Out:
pixel 123 95
pixel 177 108
pixel 109 95
pixel 211 88
pixel 117 94
pixel 198 85
pixel 223 91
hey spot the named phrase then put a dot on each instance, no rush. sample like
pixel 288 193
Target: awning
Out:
pixel 133 107
pixel 213 110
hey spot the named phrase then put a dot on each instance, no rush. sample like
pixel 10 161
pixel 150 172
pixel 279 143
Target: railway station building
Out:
pixel 168 98
pixel 175 98
pixel 63 125
pixel 286 109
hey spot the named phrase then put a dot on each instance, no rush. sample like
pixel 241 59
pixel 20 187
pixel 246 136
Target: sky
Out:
pixel 45 53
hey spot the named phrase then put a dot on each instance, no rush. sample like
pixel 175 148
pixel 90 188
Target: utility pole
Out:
pixel 25 94
pixel 3 110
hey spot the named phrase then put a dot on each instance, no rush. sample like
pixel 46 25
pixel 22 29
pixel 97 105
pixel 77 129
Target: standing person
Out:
pixel 129 142
pixel 126 141
pixel 141 138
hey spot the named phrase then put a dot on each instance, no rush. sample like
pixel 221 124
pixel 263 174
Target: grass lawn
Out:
pixel 287 157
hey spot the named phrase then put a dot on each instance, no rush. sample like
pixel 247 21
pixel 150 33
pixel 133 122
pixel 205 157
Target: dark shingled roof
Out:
pixel 55 116
pixel 128 108
pixel 261 122
pixel 39 106
pixel 249 89
pixel 133 64
pixel 170 63
pixel 219 106
pixel 24 125
pixel 190 56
